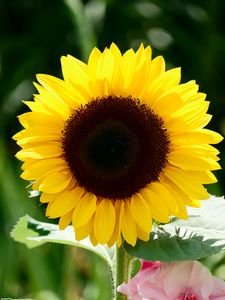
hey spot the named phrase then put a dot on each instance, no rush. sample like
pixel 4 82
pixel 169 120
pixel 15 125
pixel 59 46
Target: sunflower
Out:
pixel 117 143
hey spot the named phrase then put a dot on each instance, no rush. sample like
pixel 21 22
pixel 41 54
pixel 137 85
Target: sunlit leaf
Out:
pixel 33 233
pixel 203 234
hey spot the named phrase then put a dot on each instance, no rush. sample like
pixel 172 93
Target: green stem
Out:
pixel 122 270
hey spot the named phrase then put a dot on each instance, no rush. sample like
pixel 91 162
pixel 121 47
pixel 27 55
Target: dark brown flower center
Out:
pixel 115 146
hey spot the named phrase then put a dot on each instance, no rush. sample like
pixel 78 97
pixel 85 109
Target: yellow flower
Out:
pixel 117 143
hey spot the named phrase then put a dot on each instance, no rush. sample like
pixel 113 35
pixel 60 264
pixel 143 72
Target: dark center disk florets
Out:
pixel 115 146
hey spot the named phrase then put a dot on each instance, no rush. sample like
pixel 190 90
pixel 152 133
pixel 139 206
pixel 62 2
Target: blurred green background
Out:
pixel 33 36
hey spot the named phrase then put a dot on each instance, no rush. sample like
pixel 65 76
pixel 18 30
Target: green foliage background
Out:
pixel 33 36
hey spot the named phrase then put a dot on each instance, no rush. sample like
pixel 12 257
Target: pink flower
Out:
pixel 149 271
pixel 152 265
pixel 174 281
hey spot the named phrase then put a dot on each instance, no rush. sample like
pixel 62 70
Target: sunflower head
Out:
pixel 117 143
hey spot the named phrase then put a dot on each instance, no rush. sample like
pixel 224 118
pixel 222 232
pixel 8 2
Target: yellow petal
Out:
pixel 65 220
pixel 53 149
pixel 179 210
pixel 157 205
pixel 140 80
pixel 93 61
pixel 140 212
pixel 36 184
pixel 37 119
pixel 143 54
pixel 62 90
pixel 190 109
pixel 192 160
pixel 142 235
pixel 165 82
pixel 115 52
pixel 116 82
pixel 99 88
pixel 104 221
pixel 210 150
pixel 166 196
pixel 84 231
pixel 192 112
pixel 119 241
pixel 199 122
pixel 186 90
pixel 74 70
pixel 182 211
pixel 64 203
pixel 55 182
pixel 181 197
pixel 93 238
pixel 201 136
pixel 41 167
pixel 45 198
pixel 166 105
pixel 28 163
pixel 176 126
pixel 155 70
pixel 36 107
pixel 127 68
pixel 52 104
pixel 128 227
pixel 203 177
pixel 116 236
pixel 186 183
pixel 84 210
pixel 157 67
pixel 105 66
pixel 37 135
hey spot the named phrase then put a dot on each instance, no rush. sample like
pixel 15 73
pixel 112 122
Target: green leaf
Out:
pixel 33 233
pixel 203 234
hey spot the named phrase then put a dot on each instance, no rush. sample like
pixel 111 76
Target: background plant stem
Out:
pixel 122 270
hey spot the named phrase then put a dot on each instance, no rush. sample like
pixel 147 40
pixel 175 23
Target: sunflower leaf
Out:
pixel 203 234
pixel 33 233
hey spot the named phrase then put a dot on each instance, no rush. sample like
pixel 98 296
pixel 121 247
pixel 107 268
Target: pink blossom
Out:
pixel 150 264
pixel 188 280
pixel 149 271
